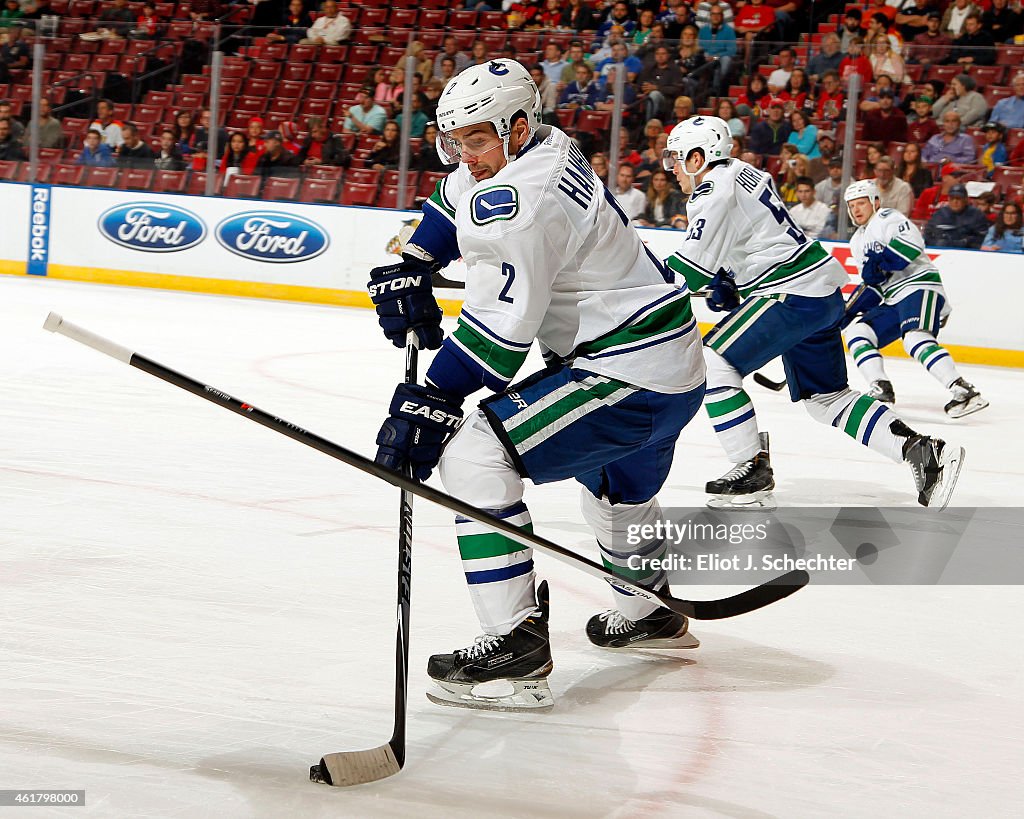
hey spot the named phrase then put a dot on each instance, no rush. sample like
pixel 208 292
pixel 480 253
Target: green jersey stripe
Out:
pixel 907 251
pixel 695 277
pixel 564 406
pixel 674 315
pixel 437 199
pixel 927 278
pixel 813 256
pixel 504 362
pixel 751 310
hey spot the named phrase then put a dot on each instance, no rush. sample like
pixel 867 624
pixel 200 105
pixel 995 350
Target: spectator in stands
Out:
pixel 665 204
pixel 147 24
pixel 957 223
pixel 419 119
pixel 238 154
pixel 1009 111
pixel 200 10
pixel 169 158
pixel 322 147
pixel 522 15
pixel 185 132
pixel 911 171
pixel 478 53
pixel 886 60
pixel 10 148
pixel 276 161
pixel 895 193
pixel 254 134
pixel 754 100
pixel 117 19
pixel 921 126
pixel 856 63
pixel 548 95
pixel 682 109
pixel 797 93
pixel 15 54
pixel 619 54
pixel 754 20
pixel 575 55
pixel 975 46
pixel 676 19
pixel 95 152
pixel 290 137
pixel 10 12
pixel 365 117
pixel 830 99
pixel 423 64
pixel 654 39
pixel 294 24
pixel 885 124
pixel 134 152
pixel 578 16
pixel 804 135
pixel 985 202
pixel 51 135
pixel 778 79
pixel 830 189
pixel 956 14
pixel 872 154
pixel 810 215
pixel 554 61
pixel 879 29
pixel 551 15
pixel 660 82
pixel 828 59
pixel 850 29
pixel 583 92
pixel 1007 234
pixel 995 152
pixel 450 48
pixel 644 28
pixel 387 149
pixel 933 197
pixel 1017 157
pixel 202 140
pixel 432 91
pixel 932 46
pixel 629 98
pixel 727 112
pixel 1002 22
pixel 912 18
pixel 16 128
pixel 961 97
pixel 387 87
pixel 599 164
pixel 827 146
pixel 632 201
pixel 651 160
pixel 330 28
pixel 108 127
pixel 717 39
pixel 769 135
pixel 796 167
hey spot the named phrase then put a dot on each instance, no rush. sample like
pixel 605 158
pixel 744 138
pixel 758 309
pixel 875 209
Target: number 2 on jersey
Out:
pixel 772 202
pixel 509 272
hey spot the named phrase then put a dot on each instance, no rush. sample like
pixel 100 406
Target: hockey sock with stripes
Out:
pixel 932 356
pixel 732 416
pixel 864 348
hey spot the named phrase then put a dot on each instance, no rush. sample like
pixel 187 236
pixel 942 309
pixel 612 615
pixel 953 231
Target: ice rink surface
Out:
pixel 193 609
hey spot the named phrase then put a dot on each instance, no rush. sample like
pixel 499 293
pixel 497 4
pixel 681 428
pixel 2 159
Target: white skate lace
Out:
pixel 481 645
pixel 738 471
pixel 615 622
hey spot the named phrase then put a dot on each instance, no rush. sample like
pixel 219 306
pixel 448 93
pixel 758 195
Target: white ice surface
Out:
pixel 193 609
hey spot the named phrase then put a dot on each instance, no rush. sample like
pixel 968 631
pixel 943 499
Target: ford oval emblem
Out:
pixel 153 227
pixel 269 236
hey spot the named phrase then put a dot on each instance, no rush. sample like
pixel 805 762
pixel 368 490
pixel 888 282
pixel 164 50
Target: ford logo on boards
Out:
pixel 152 227
pixel 268 236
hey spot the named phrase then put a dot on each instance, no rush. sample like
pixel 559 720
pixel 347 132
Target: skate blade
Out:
pixel 974 405
pixel 951 463
pixel 682 641
pixel 497 695
pixel 754 502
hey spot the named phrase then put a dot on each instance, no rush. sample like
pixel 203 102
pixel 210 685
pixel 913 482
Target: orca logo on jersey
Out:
pixel 152 227
pixel 269 236
pixel 702 189
pixel 498 69
pixel 497 204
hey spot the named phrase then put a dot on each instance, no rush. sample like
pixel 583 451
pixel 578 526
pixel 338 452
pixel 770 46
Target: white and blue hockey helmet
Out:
pixel 710 135
pixel 493 92
pixel 863 189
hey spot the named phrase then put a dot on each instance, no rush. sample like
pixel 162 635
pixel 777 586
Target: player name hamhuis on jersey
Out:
pixel 894 236
pixel 734 216
pixel 552 257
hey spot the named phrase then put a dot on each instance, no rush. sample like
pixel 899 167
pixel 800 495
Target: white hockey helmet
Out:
pixel 710 135
pixel 863 189
pixel 493 92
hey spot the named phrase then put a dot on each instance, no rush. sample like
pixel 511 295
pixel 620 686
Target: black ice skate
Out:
pixel 747 486
pixel 966 399
pixel 499 673
pixel 882 391
pixel 660 629
pixel 936 466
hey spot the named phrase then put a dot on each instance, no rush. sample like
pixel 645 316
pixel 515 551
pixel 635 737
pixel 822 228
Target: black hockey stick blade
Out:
pixel 765 381
pixel 742 603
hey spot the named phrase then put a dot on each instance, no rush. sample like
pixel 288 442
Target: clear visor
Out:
pixel 669 159
pixel 451 151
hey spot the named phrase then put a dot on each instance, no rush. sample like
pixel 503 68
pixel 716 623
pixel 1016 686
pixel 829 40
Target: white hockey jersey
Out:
pixel 739 224
pixel 551 257
pixel 892 234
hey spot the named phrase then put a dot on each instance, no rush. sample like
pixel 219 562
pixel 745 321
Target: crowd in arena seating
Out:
pixel 313 99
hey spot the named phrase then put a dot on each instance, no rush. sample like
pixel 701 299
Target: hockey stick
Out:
pixel 747 601
pixel 765 381
pixel 357 767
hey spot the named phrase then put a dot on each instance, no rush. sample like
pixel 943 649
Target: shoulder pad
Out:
pixel 498 203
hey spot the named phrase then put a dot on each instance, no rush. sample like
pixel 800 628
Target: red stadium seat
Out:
pixel 8 170
pixel 279 189
pixel 593 122
pixel 297 71
pixel 363 176
pixel 68 174
pixel 389 198
pixel 100 177
pixel 328 172
pixel 242 186
pixel 328 73
pixel 319 190
pixel 428 182
pixel 171 181
pixel 358 193
pixel 136 179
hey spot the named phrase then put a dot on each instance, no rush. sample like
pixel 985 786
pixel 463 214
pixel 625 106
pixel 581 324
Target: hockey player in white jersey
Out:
pixel 782 294
pixel 901 297
pixel 551 258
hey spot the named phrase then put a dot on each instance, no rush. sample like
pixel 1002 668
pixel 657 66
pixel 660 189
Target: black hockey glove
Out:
pixel 722 293
pixel 864 299
pixel 402 296
pixel 422 419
